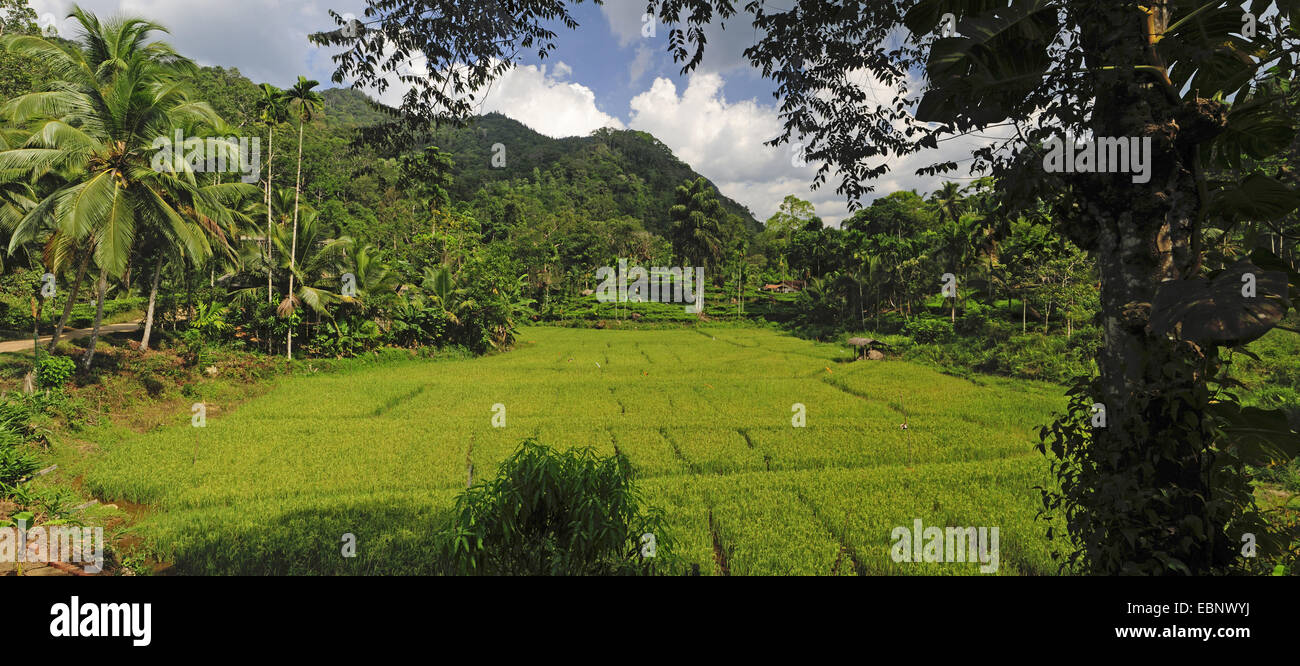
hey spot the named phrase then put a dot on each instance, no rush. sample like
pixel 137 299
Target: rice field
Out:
pixel 705 415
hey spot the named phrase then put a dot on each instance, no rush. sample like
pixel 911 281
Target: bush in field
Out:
pixel 208 326
pixel 974 320
pixel 928 330
pixel 52 371
pixel 156 372
pixel 553 513
pixel 493 300
pixel 414 326
pixel 344 338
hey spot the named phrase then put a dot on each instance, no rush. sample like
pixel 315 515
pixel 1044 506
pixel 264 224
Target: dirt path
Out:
pixel 69 334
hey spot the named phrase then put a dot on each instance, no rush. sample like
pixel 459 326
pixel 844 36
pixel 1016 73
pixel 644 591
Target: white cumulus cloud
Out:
pixel 724 141
pixel 544 102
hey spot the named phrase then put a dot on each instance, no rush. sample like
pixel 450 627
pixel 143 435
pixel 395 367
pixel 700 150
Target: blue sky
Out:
pixel 607 73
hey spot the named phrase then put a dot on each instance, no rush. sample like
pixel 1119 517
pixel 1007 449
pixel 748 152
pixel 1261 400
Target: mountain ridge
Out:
pixel 640 172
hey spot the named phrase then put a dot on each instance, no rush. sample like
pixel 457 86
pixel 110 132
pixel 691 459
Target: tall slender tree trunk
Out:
pixel 270 157
pixel 153 299
pixel 37 306
pixel 877 306
pixel 99 317
pixel 72 297
pixel 862 309
pixel 293 253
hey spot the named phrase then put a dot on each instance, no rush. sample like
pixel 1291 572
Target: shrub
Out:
pixel 1001 330
pixel 156 371
pixel 53 370
pixel 153 385
pixel 928 330
pixel 973 320
pixel 553 513
pixel 418 326
pixel 16 461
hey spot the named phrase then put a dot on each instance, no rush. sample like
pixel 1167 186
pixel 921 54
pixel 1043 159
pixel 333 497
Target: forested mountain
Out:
pixel 612 173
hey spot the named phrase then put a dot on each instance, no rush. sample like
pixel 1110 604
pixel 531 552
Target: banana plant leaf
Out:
pixel 1259 436
pixel 998 57
pixel 1215 310
pixel 1257 197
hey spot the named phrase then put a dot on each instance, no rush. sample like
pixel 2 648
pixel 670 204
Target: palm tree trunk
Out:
pixel 99 317
pixel 153 299
pixel 877 306
pixel 862 309
pixel 37 307
pixel 72 298
pixel 293 253
pixel 270 157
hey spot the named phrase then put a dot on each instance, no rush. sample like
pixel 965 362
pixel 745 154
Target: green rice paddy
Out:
pixel 704 414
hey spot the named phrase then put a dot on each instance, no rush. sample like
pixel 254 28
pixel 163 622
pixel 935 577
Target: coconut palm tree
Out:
pixel 221 219
pixel 377 282
pixel 304 102
pixel 19 194
pixel 440 286
pixel 222 224
pixel 954 250
pixel 97 126
pixel 948 202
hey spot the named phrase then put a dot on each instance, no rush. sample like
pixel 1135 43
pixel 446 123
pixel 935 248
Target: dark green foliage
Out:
pixel 232 96
pixel 19 73
pixel 554 513
pixel 697 224
pixel 427 176
pixel 347 107
pixel 1182 503
pixel 416 326
pixel 818 308
pixel 16 460
pixel 346 339
pixel 929 330
pixel 52 371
